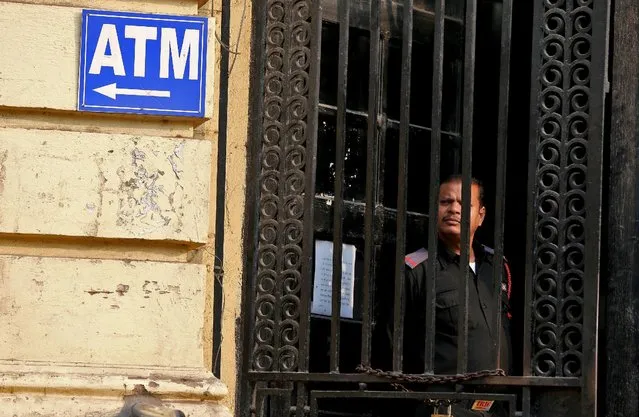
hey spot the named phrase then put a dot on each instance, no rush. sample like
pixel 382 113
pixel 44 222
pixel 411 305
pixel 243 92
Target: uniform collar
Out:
pixel 450 256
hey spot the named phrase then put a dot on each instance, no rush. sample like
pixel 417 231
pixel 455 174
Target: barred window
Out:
pixel 387 124
pixel 359 114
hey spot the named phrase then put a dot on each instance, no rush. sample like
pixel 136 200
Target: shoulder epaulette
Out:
pixel 416 258
pixel 491 251
pixel 488 250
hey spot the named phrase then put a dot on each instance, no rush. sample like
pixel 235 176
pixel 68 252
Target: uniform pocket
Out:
pixel 447 306
pixel 448 298
pixel 448 310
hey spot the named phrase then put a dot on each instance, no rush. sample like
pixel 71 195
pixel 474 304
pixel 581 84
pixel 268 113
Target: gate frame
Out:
pixel 593 221
pixel 621 360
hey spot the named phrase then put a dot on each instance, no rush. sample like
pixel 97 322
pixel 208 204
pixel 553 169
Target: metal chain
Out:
pixel 428 401
pixel 430 379
pixel 398 377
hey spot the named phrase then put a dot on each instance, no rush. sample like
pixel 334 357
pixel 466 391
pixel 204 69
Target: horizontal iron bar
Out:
pixel 414 395
pixel 356 206
pixel 524 381
pixel 393 12
pixel 331 110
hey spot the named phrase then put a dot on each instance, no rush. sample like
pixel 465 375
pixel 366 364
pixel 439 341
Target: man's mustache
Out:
pixel 455 219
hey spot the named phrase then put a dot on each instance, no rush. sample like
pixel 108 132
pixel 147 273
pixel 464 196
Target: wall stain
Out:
pixel 173 288
pixel 94 292
pixel 183 381
pixel 101 190
pixel 150 287
pixel 177 197
pixel 122 289
pixel 3 169
pixel 143 199
pixel 175 157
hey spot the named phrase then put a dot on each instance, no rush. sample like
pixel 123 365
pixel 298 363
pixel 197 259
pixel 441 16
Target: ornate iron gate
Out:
pixel 288 211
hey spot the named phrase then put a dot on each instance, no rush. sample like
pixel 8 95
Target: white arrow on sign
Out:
pixel 112 91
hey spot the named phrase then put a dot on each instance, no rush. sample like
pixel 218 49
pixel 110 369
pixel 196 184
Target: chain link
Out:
pixel 429 379
pixel 398 377
pixel 432 403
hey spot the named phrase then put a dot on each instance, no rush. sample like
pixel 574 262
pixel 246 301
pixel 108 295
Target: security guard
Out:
pixel 482 336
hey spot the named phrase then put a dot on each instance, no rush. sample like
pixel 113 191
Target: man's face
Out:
pixel 450 210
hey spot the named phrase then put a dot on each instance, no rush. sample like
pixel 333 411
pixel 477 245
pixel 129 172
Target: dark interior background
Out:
pixel 484 156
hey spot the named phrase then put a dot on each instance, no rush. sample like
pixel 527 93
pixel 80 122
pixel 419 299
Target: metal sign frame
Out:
pixel 143 63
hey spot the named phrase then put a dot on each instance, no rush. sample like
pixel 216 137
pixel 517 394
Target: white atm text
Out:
pixel 170 51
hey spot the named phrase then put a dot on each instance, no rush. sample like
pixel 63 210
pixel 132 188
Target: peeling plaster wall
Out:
pixel 101 312
pixel 89 184
pixel 107 228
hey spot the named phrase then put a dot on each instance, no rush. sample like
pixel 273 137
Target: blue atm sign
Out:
pixel 143 63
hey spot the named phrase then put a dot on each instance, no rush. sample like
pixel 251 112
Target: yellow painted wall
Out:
pixel 107 228
pixel 234 256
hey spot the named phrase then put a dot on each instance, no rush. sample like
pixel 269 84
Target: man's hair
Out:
pixel 473 180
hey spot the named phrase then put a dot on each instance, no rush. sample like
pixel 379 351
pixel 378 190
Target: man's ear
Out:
pixel 482 214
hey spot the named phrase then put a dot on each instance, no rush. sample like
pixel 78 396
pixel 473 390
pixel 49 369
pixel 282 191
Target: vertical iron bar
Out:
pixel 512 407
pixel 246 390
pixel 467 161
pixel 382 121
pixel 220 196
pixel 372 153
pixel 280 168
pixel 404 133
pixel 535 90
pixel 525 402
pixel 301 400
pixel 598 89
pixel 435 164
pixel 561 265
pixel 500 186
pixel 260 401
pixel 621 280
pixel 309 184
pixel 340 151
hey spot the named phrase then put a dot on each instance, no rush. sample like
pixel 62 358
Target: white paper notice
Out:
pixel 323 285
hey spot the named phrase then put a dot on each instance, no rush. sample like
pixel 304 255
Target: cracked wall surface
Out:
pixel 144 313
pixel 100 185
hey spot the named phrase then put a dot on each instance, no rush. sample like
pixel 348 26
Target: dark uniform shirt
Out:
pixel 482 306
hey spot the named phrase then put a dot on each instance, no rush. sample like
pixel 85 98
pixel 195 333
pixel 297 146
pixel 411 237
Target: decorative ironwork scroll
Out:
pixel 281 204
pixel 560 200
